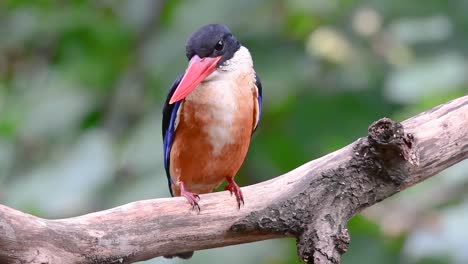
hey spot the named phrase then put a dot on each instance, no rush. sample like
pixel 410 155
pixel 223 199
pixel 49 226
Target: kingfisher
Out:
pixel 210 114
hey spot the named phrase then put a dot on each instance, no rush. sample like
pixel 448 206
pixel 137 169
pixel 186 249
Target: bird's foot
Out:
pixel 192 198
pixel 232 187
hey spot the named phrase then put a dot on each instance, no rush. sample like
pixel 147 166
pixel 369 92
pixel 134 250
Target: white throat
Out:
pixel 241 60
pixel 240 63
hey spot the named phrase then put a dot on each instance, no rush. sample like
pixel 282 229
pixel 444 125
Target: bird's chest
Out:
pixel 220 112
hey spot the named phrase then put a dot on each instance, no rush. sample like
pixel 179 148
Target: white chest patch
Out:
pixel 220 131
pixel 218 110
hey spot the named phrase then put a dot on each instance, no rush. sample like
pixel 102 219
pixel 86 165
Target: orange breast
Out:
pixel 212 134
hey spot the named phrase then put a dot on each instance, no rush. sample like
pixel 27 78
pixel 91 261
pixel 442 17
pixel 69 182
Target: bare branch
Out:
pixel 312 202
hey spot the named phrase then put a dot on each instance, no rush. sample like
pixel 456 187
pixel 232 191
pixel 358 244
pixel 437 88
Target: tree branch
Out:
pixel 312 203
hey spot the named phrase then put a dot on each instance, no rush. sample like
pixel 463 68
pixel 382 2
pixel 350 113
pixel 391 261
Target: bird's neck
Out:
pixel 241 61
pixel 240 64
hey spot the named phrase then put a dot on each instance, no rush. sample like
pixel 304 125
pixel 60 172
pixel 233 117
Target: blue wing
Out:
pixel 168 128
pixel 259 98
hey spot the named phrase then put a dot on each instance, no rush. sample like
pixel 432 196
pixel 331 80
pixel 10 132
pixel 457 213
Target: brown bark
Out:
pixel 312 203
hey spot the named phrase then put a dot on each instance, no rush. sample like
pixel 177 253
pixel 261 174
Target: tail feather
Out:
pixel 184 255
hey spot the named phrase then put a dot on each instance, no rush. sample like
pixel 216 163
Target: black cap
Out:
pixel 212 40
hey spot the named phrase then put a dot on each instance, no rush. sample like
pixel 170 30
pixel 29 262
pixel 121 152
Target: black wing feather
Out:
pixel 168 128
pixel 258 83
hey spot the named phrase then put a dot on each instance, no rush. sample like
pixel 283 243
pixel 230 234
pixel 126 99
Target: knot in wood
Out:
pixel 386 151
pixel 385 131
pixel 392 143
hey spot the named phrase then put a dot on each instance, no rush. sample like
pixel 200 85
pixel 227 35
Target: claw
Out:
pixel 233 188
pixel 192 198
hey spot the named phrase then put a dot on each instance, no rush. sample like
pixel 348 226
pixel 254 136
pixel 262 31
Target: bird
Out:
pixel 210 115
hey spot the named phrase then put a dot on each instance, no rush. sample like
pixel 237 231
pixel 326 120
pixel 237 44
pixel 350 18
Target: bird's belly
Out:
pixel 212 138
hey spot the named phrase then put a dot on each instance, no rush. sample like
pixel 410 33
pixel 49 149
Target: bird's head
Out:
pixel 207 49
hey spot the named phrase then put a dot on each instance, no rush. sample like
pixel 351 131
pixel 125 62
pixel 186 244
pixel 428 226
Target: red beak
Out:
pixel 196 72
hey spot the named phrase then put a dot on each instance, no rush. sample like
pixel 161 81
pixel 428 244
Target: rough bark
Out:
pixel 312 203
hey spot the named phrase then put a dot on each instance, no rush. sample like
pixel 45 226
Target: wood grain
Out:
pixel 312 202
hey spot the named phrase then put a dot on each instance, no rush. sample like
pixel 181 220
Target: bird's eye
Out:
pixel 219 46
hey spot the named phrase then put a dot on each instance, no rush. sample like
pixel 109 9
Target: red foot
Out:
pixel 232 187
pixel 192 198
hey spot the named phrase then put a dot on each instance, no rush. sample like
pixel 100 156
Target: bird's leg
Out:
pixel 232 187
pixel 192 198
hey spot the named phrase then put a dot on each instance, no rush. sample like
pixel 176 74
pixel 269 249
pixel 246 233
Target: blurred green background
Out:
pixel 82 85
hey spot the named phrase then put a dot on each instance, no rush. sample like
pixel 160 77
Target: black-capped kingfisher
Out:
pixel 210 114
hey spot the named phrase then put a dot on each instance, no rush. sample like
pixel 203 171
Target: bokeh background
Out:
pixel 82 85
